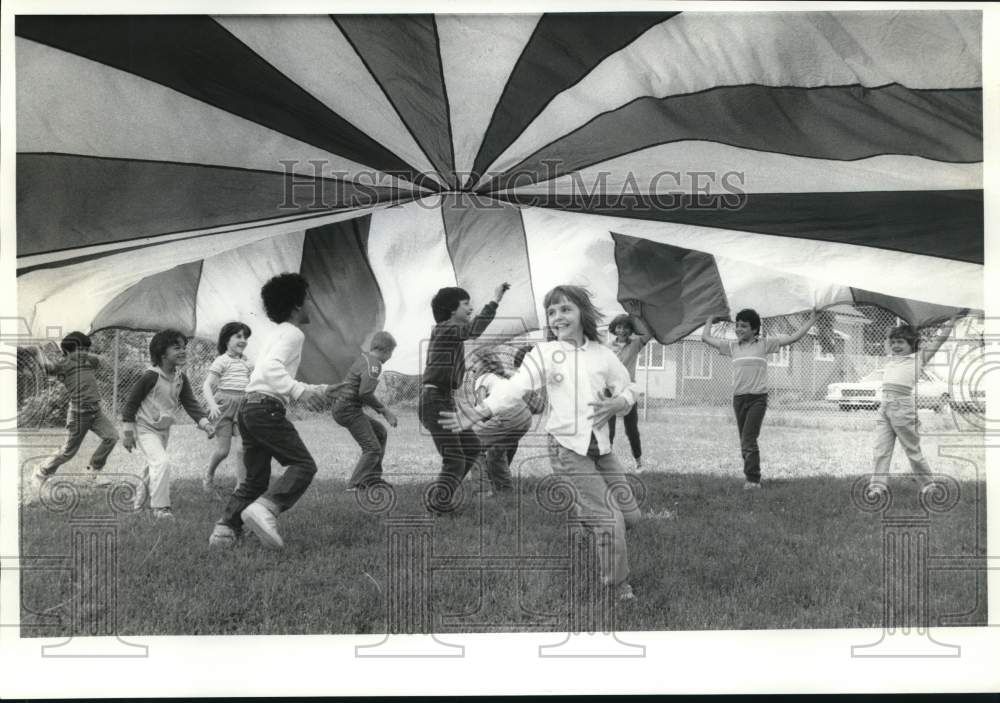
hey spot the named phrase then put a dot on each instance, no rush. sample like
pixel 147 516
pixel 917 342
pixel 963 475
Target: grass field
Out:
pixel 799 554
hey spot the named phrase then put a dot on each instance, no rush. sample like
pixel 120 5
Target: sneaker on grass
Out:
pixel 624 593
pixel 222 537
pixel 751 486
pixel 34 492
pixel 264 524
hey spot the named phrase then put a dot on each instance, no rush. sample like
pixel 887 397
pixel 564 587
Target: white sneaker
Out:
pixel 264 524
pixel 751 486
pixel 875 490
pixel 624 593
pixel 663 514
pixel 34 493
pixel 638 464
pixel 222 537
pixel 163 513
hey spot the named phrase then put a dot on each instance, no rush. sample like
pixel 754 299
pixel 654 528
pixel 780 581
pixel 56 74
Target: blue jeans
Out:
pixel 268 434
pixel 371 436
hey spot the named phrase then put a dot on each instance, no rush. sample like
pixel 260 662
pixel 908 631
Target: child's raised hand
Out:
pixel 501 289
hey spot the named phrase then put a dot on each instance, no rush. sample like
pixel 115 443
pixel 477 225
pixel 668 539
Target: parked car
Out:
pixel 866 394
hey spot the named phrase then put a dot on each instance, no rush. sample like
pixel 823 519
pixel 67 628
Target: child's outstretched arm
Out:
pixel 481 321
pixel 193 408
pixel 944 331
pixel 786 339
pixel 707 338
pixel 208 391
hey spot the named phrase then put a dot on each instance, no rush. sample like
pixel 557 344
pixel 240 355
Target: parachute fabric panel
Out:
pixel 408 254
pixel 906 221
pixel 720 169
pixel 491 43
pixel 943 125
pixel 915 312
pixel 562 50
pixel 697 52
pixel 908 276
pixel 347 304
pixel 229 290
pixel 169 297
pixel 85 205
pixel 350 91
pixel 402 53
pixel 69 104
pixel 196 56
pixel 487 246
pixel 674 289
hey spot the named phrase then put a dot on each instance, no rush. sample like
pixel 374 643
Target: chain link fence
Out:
pixel 825 374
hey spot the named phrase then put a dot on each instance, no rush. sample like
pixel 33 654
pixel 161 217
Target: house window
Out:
pixel 782 357
pixel 697 361
pixel 654 355
pixel 819 354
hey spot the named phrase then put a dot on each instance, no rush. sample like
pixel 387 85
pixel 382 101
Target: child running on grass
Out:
pixel 749 353
pixel 264 426
pixel 224 390
pixel 149 412
pixel 586 384
pixel 897 414
pixel 76 371
pixel 443 373
pixel 631 334
pixel 359 391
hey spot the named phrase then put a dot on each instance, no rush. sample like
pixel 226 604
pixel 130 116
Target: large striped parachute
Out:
pixel 681 164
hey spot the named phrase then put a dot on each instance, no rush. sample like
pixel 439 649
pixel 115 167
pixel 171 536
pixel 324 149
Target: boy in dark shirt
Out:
pixel 368 432
pixel 452 309
pixel 76 371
